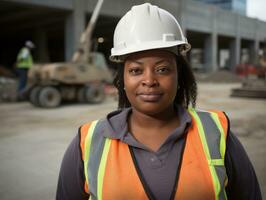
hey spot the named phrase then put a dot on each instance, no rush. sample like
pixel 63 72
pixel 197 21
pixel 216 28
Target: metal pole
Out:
pixel 83 52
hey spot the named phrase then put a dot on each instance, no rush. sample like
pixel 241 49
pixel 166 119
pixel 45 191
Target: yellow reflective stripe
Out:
pixel 222 138
pixel 225 184
pixel 222 142
pixel 216 182
pixel 101 171
pixel 216 162
pixel 87 147
pixel 201 133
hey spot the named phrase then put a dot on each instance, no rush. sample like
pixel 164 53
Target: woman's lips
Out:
pixel 150 97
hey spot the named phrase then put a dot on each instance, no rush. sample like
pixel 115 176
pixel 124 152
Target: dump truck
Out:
pixel 81 80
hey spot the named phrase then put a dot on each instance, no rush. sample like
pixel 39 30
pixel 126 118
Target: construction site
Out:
pixel 70 82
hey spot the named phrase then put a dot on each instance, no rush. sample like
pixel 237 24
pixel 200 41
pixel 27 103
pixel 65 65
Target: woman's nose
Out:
pixel 149 79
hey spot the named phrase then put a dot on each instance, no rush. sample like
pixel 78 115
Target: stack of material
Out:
pixel 220 76
pixel 252 87
pixel 8 89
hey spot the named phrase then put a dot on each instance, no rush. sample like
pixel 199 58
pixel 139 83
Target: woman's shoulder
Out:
pixel 88 129
pixel 212 112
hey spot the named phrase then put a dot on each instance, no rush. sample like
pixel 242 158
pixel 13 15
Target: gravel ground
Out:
pixel 33 140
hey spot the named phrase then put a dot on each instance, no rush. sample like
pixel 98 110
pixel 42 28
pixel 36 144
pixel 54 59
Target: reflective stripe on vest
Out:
pixel 213 140
pixel 96 150
pixel 212 137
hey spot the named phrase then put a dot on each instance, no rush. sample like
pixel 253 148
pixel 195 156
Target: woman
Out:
pixel 155 146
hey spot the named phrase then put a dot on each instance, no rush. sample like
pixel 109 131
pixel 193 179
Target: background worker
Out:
pixel 156 145
pixel 23 64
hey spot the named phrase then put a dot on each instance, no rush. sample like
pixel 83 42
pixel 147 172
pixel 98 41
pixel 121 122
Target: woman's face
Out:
pixel 150 80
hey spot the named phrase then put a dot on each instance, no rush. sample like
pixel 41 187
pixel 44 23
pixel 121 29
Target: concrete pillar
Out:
pixel 253 51
pixel 211 45
pixel 181 11
pixel 254 45
pixel 74 26
pixel 41 51
pixel 210 52
pixel 235 46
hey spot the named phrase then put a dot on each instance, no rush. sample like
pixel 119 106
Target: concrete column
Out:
pixel 254 45
pixel 253 51
pixel 211 45
pixel 235 46
pixel 41 51
pixel 210 52
pixel 74 26
pixel 181 11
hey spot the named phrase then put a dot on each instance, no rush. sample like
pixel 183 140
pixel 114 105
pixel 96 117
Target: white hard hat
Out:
pixel 147 27
pixel 29 44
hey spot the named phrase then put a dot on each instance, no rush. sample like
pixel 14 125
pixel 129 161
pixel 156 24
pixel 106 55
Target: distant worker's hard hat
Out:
pixel 147 27
pixel 29 44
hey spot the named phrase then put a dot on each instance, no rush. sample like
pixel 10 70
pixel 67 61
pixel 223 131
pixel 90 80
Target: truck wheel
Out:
pixel 94 93
pixel 34 95
pixel 81 95
pixel 49 97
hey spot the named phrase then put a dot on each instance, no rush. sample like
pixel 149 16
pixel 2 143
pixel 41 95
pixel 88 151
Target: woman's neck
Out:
pixel 156 120
pixel 153 130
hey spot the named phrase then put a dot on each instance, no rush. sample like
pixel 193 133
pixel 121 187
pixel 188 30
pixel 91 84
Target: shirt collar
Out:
pixel 117 126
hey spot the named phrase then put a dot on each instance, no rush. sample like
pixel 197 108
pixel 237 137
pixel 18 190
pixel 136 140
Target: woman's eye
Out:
pixel 163 70
pixel 135 71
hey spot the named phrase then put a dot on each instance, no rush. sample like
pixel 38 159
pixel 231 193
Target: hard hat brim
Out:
pixel 119 54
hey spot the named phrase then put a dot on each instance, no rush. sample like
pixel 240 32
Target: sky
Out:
pixel 256 9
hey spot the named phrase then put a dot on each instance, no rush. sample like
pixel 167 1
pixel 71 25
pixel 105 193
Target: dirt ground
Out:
pixel 33 140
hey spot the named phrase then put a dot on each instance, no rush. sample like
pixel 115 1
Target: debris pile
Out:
pixel 8 89
pixel 220 76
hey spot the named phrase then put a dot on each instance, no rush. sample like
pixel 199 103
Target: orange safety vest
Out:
pixel 110 171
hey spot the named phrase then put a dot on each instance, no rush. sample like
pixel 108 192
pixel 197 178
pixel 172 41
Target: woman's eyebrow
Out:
pixel 157 62
pixel 136 62
pixel 162 61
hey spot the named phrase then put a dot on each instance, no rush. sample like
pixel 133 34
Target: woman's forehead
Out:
pixel 156 54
